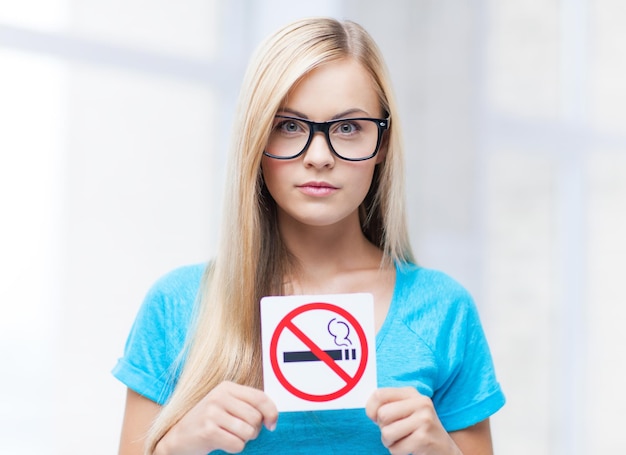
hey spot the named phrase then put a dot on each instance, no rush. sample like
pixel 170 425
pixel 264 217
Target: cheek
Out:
pixel 365 182
pixel 271 171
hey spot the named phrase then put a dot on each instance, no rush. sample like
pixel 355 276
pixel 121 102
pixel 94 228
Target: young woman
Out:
pixel 315 206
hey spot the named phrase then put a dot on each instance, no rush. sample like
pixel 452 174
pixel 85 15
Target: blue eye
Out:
pixel 346 128
pixel 290 127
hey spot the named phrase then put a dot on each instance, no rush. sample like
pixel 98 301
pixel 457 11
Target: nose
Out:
pixel 319 154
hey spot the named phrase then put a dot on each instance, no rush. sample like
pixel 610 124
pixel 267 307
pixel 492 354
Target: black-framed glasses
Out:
pixel 351 139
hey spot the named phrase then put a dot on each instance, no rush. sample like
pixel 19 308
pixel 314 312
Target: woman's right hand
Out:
pixel 225 419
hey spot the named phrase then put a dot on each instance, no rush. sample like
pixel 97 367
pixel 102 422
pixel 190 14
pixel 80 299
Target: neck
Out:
pixel 328 252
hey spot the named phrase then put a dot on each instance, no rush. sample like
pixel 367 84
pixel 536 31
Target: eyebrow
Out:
pixel 334 117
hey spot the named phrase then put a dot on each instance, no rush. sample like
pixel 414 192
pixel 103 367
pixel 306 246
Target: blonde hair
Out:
pixel 251 261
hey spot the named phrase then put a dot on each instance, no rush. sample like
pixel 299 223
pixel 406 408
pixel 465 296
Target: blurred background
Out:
pixel 115 118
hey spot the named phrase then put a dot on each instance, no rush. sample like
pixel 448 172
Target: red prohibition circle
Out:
pixel 286 321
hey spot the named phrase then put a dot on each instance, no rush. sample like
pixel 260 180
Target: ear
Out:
pixel 384 146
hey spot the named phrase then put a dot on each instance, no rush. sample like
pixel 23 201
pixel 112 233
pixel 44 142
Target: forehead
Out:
pixel 334 87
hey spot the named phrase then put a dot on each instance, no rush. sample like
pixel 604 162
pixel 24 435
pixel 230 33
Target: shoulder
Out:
pixel 441 347
pixel 422 291
pixel 437 309
pixel 429 280
pixel 178 283
pixel 170 301
pixel 156 340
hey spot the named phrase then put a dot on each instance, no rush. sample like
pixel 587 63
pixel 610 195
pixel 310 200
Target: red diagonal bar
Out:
pixel 319 353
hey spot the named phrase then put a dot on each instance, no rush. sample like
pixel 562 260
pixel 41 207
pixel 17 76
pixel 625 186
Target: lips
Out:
pixel 317 188
pixel 317 185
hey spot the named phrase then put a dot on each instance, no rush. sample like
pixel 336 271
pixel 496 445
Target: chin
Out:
pixel 322 221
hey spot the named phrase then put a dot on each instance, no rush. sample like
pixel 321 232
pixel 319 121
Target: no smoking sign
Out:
pixel 319 351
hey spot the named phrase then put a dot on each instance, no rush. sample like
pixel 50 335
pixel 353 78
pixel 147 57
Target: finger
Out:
pixel 396 431
pixel 220 430
pixel 387 395
pixel 240 428
pixel 402 447
pixel 261 402
pixel 229 443
pixel 269 411
pixel 245 412
pixel 373 403
pixel 396 410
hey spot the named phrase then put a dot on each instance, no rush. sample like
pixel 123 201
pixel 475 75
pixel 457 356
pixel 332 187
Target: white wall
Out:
pixel 114 118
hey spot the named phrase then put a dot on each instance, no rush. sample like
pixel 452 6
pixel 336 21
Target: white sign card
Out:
pixel 319 351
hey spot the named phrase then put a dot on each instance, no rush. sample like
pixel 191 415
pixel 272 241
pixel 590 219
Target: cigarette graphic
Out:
pixel 308 356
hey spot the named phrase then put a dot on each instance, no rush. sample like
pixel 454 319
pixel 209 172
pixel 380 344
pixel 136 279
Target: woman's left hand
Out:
pixel 408 423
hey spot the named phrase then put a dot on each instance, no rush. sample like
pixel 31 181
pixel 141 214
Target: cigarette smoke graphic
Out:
pixel 340 330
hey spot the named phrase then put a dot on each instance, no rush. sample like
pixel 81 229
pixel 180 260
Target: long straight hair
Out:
pixel 251 262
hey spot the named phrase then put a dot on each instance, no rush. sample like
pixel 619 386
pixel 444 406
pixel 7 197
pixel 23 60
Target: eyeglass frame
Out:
pixel 324 127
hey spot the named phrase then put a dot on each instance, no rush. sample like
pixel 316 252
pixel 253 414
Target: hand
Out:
pixel 226 419
pixel 408 423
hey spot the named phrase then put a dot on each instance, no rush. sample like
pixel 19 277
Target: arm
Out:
pixel 409 425
pixel 139 414
pixel 475 439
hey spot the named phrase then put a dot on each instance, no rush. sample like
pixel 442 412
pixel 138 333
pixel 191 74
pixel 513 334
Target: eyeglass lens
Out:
pixel 350 138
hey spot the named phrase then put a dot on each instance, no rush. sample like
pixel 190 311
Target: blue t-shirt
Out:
pixel 431 339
